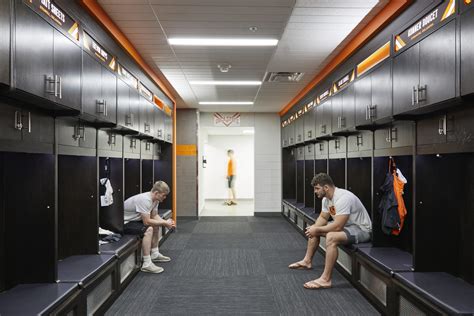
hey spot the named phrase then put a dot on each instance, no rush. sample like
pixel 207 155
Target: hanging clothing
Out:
pixel 105 188
pixel 391 206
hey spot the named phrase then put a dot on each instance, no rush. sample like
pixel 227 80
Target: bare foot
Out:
pixel 317 284
pixel 300 265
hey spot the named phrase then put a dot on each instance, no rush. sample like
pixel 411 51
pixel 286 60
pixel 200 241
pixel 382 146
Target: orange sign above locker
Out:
pixel 52 12
pixel 127 76
pixel 99 52
pixel 374 59
pixel 438 15
pixel 344 81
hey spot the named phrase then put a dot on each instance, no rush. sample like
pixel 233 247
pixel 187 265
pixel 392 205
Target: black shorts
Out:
pixel 231 180
pixel 135 228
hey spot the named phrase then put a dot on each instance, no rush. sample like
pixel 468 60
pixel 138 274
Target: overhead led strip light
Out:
pixel 225 103
pixel 222 42
pixel 226 83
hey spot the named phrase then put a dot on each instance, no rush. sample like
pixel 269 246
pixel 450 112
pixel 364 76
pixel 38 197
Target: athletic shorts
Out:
pixel 135 228
pixel 231 181
pixel 355 235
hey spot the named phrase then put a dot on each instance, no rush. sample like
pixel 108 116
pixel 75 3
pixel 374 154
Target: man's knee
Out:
pixel 149 231
pixel 331 239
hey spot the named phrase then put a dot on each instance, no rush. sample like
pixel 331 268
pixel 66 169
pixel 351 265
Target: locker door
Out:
pixel 406 76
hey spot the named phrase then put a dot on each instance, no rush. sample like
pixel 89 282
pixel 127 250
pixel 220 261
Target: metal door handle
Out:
pixel 18 124
pixel 337 144
pixel 323 129
pixel 133 143
pixel 310 134
pixel 394 134
pixel 360 140
pixel 147 128
pixel 100 106
pixel 417 95
pixel 48 81
pixel 105 107
pixel 112 139
pixel 367 115
pixel 160 133
pixel 413 95
pixel 147 146
pixel 29 122
pixel 442 125
pixel 343 122
pixel 422 91
pixel 80 132
pixel 60 83
pixel 321 146
pixel 388 139
pixel 309 149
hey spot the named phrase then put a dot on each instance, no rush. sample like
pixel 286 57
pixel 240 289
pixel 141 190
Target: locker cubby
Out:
pixel 162 170
pixel 320 166
pixel 300 178
pixel 308 189
pixel 111 217
pixel 445 214
pixel 77 206
pixel 27 205
pixel 359 180
pixel 337 171
pixel 147 175
pixel 289 175
pixel 404 241
pixel 132 177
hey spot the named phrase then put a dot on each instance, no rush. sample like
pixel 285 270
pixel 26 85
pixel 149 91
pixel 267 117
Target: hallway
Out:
pixel 237 265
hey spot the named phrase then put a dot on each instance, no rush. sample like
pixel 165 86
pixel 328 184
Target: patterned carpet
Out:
pixel 237 266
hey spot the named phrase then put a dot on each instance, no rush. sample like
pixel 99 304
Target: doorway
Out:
pixel 214 192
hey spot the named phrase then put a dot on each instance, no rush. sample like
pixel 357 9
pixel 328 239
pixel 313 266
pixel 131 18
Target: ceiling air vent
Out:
pixel 283 76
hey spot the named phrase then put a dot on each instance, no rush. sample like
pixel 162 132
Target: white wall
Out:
pixel 215 151
pixel 267 181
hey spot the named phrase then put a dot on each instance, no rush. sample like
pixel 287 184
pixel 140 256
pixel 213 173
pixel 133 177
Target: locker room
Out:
pixel 217 157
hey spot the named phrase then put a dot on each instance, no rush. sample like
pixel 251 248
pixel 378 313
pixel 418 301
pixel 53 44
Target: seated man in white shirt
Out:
pixel 351 224
pixel 141 218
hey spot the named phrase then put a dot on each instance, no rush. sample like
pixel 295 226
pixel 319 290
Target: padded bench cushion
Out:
pixel 116 248
pixel 448 292
pixel 389 259
pixel 82 268
pixel 34 299
pixel 310 213
pixel 290 202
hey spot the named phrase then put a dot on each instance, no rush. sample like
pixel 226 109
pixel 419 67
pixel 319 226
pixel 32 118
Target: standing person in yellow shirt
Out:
pixel 231 178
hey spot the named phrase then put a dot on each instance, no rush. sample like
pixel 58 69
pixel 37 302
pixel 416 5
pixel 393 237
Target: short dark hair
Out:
pixel 322 179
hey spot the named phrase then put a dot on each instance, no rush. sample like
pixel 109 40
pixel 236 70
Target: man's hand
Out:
pixel 170 224
pixel 311 231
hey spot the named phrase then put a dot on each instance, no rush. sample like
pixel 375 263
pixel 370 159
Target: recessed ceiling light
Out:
pixel 226 103
pixel 226 83
pixel 222 41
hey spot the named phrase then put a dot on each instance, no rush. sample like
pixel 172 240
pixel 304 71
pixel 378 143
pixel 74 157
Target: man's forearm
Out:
pixel 331 227
pixel 157 221
pixel 321 221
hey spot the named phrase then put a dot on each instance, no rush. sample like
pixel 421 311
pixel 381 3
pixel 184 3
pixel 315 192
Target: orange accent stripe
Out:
pixel 173 167
pixel 101 16
pixel 390 11
pixel 376 57
pixel 186 150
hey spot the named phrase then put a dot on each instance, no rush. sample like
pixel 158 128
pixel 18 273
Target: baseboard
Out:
pixel 266 214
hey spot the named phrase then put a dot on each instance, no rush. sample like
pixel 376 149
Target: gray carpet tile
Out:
pixel 272 227
pixel 263 219
pixel 222 241
pixel 220 267
pixel 185 225
pixel 276 262
pixel 166 294
pixel 222 228
pixel 220 263
pixel 176 241
pixel 293 299
pixel 280 240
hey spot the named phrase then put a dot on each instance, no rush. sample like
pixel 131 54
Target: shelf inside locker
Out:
pixel 310 213
pixel 388 259
pixel 291 202
pixel 453 295
pixel 41 298
pixel 82 268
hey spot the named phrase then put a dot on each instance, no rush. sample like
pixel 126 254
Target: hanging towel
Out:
pixel 107 198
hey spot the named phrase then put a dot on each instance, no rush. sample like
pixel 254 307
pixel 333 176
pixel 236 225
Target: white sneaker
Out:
pixel 152 269
pixel 160 258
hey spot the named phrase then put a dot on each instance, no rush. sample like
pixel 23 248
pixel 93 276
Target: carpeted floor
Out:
pixel 237 266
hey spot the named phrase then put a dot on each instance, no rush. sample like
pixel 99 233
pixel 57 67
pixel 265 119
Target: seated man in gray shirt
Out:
pixel 351 225
pixel 141 218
